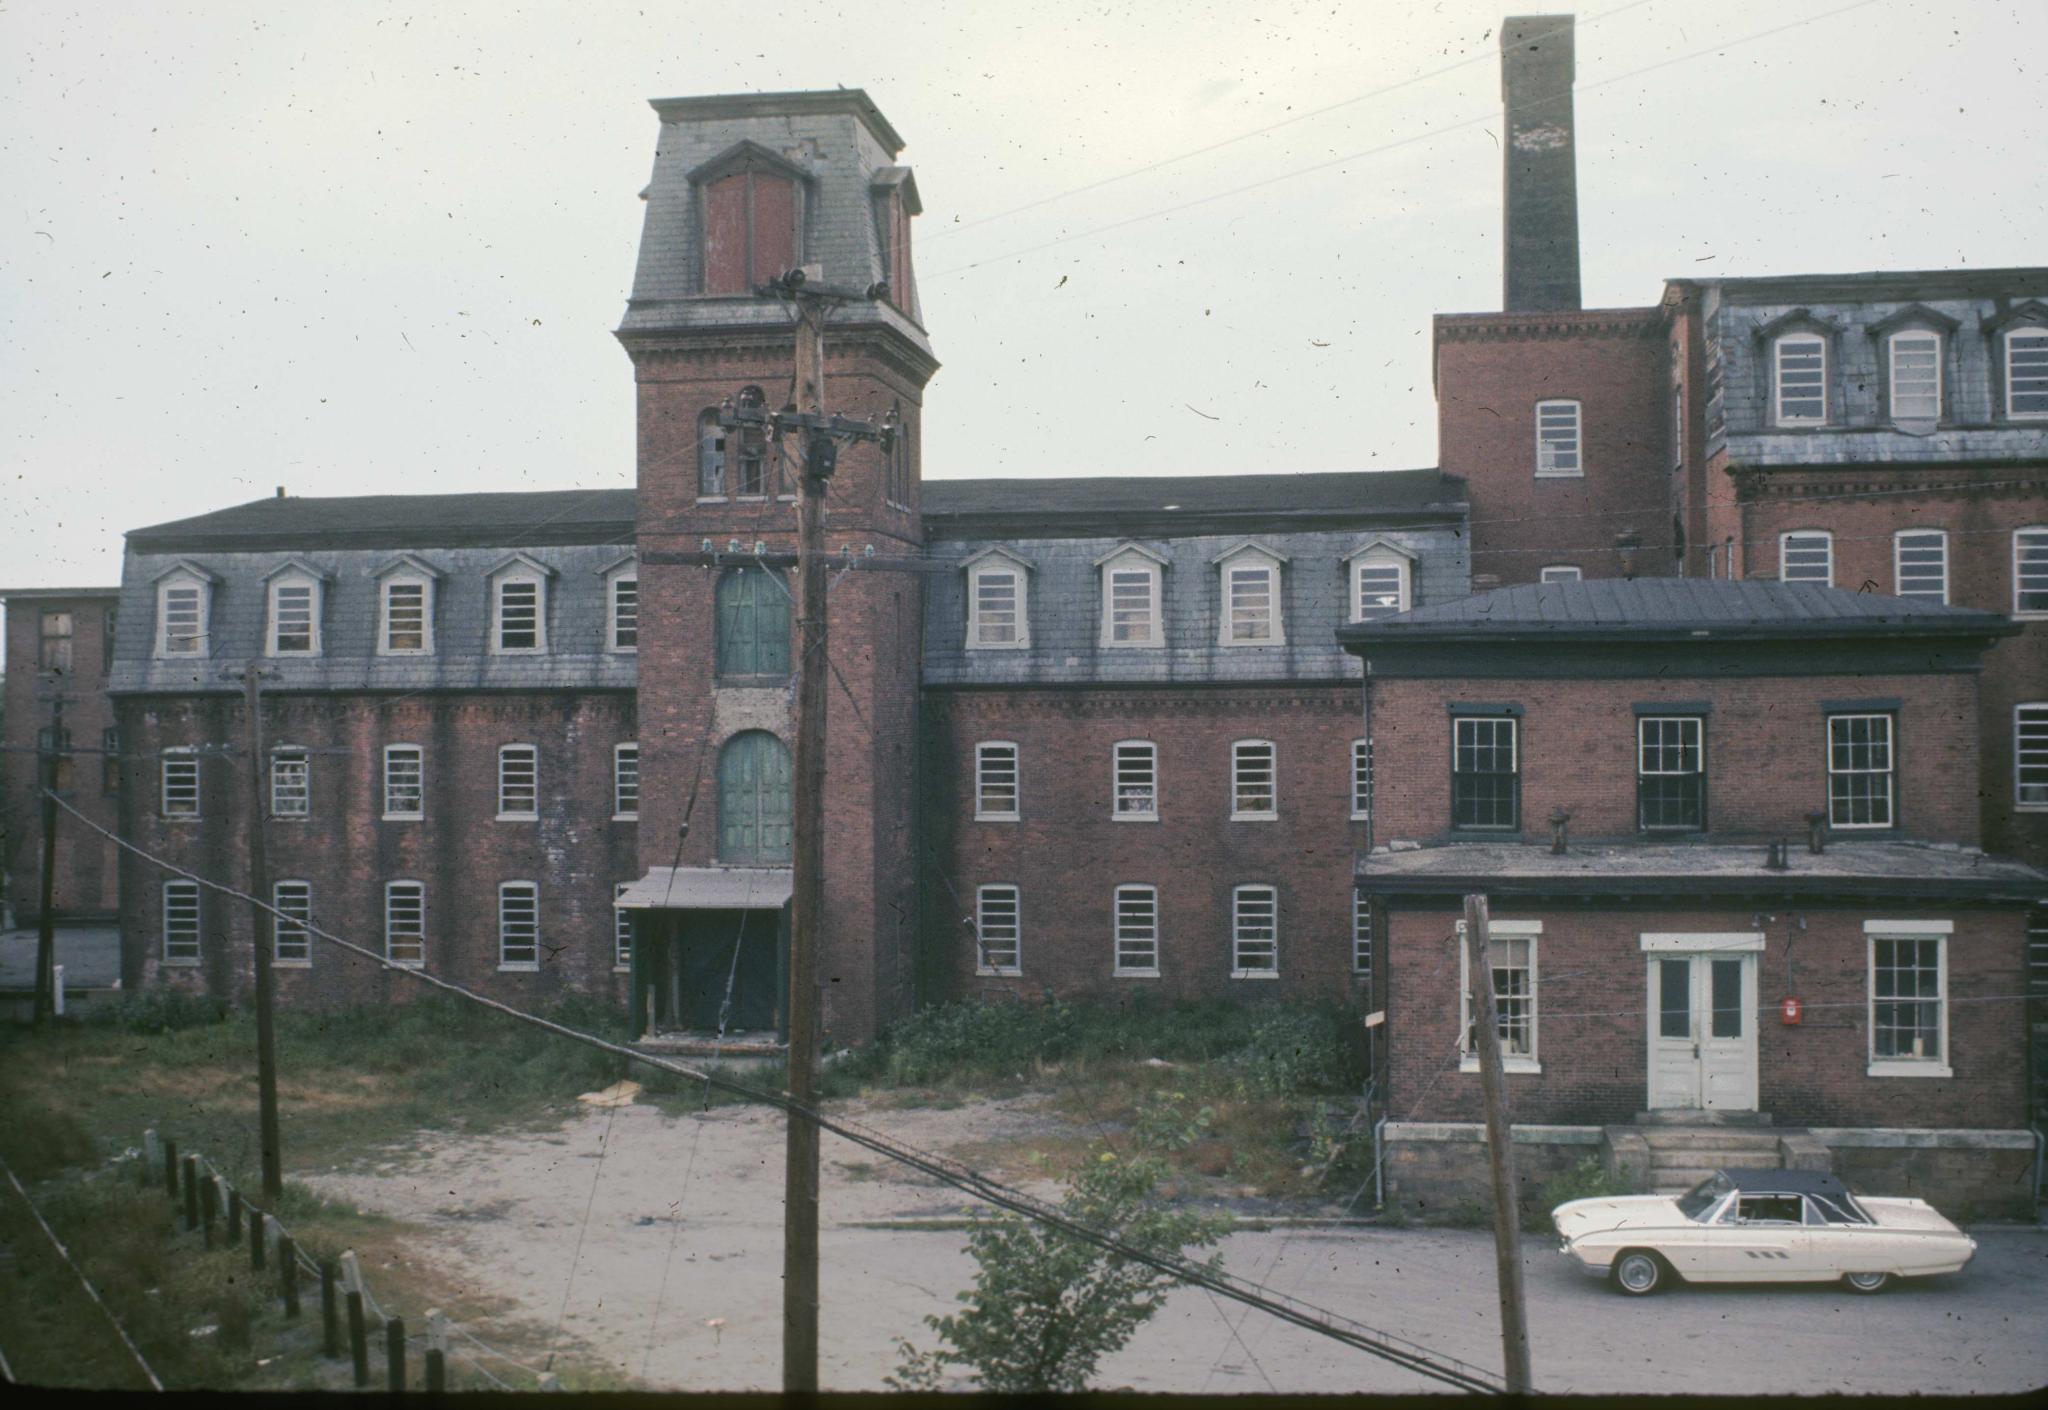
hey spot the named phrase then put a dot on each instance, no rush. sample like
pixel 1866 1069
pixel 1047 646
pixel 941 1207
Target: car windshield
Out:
pixel 1700 1200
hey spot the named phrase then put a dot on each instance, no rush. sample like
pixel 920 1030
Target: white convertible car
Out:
pixel 1760 1226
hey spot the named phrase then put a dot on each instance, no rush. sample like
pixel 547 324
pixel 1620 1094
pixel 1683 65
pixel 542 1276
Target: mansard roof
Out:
pixel 1185 504
pixel 398 521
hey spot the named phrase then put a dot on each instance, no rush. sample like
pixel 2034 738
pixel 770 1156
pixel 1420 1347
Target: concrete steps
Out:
pixel 1682 1156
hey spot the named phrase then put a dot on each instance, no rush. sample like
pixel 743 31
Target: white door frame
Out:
pixel 1704 945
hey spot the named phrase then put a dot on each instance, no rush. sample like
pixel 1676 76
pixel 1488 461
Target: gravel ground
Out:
pixel 695 1199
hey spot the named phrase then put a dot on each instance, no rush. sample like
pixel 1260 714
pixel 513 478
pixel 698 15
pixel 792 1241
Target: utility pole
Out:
pixel 1500 1151
pixel 46 920
pixel 260 929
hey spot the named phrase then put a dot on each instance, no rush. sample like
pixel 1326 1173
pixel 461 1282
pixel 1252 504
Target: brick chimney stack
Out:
pixel 1542 192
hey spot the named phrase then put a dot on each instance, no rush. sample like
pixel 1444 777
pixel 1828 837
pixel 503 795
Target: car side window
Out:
pixel 1826 1211
pixel 1769 1209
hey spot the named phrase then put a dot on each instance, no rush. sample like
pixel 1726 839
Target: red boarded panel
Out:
pixel 774 225
pixel 725 235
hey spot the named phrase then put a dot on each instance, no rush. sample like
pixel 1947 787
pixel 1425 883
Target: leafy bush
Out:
pixel 1586 1180
pixel 1161 1123
pixel 1291 1050
pixel 157 1009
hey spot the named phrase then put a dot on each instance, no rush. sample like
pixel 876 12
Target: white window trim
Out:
pixel 204 635
pixel 1130 560
pixel 1361 804
pixel 1578 472
pixel 1891 371
pixel 1250 558
pixel 1564 573
pixel 1116 898
pixel 1532 931
pixel 1361 905
pixel 502 815
pixel 2006 337
pixel 1267 815
pixel 1116 782
pixel 1016 781
pixel 622 919
pixel 314 606
pixel 276 901
pixel 305 757
pixel 980 946
pixel 1874 931
pixel 619 814
pixel 1013 569
pixel 2017 805
pixel 420 886
pixel 384 783
pixel 2042 530
pixel 627 573
pixel 540 613
pixel 506 966
pixel 164 955
pixel 181 754
pixel 1235 892
pixel 1825 535
pixel 1778 415
pixel 1404 567
pixel 426 586
pixel 1891 740
pixel 1898 561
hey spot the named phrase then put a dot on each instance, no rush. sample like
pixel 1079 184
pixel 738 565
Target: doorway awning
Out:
pixel 709 889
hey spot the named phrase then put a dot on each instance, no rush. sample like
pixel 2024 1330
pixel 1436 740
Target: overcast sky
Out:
pixel 358 248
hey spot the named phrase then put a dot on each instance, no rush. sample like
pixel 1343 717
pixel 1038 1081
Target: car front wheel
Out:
pixel 1639 1273
pixel 1867 1282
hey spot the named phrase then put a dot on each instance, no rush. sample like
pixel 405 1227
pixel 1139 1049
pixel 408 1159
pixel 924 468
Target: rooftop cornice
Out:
pixel 1594 322
pixel 852 102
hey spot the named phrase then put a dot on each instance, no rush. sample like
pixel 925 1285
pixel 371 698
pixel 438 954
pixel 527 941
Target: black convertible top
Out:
pixel 1787 1182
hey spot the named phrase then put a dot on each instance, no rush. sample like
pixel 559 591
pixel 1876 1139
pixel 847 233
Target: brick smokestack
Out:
pixel 1542 189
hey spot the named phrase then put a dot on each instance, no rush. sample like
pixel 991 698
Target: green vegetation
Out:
pixel 1586 1180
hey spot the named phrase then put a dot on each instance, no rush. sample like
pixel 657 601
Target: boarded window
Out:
pixel 750 230
pixel 710 455
pixel 753 607
pixel 56 643
pixel 753 799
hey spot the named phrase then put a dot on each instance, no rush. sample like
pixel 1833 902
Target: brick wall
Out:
pixel 87 871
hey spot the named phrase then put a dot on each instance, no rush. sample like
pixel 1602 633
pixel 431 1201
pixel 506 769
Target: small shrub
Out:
pixel 1162 1123
pixel 158 1009
pixel 1290 1050
pixel 1586 1180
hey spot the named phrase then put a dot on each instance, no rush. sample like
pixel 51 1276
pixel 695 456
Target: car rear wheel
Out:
pixel 1639 1273
pixel 1867 1282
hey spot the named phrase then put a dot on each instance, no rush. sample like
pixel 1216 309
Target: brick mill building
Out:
pixel 1112 739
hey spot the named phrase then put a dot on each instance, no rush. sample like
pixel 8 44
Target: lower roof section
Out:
pixel 708 889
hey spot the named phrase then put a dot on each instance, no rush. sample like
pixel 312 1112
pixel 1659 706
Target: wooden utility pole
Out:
pixel 46 918
pixel 260 929
pixel 1500 1151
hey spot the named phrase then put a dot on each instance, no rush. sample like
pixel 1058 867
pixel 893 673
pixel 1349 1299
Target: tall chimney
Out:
pixel 1542 189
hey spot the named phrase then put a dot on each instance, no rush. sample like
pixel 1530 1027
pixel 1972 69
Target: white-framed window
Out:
pixel 1254 932
pixel 518 925
pixel 2030 572
pixel 291 791
pixel 1361 932
pixel 625 781
pixel 1800 391
pixel 405 923
pixel 1920 563
pixel 519 614
pixel 2026 372
pixel 623 594
pixel 1131 600
pixel 518 783
pixel 1361 779
pixel 1862 771
pixel 2030 756
pixel 998 614
pixel 1137 932
pixel 294 616
pixel 1379 585
pixel 1486 772
pixel 998 930
pixel 182 608
pixel 405 616
pixel 622 932
pixel 1558 442
pixel 996 783
pixel 1807 556
pixel 1671 773
pixel 292 943
pixel 1560 573
pixel 1252 613
pixel 1915 357
pixel 404 781
pixel 181 785
pixel 181 922
pixel 1134 764
pixel 1909 997
pixel 1254 790
pixel 1512 944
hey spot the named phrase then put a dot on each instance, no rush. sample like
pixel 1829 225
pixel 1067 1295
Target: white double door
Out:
pixel 1703 1023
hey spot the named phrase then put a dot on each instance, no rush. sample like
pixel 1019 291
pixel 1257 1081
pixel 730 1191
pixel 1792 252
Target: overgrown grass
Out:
pixel 1586 1180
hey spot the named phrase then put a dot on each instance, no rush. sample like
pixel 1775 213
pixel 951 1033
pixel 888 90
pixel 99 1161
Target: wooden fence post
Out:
pixel 330 1311
pixel 209 1207
pixel 358 1340
pixel 437 1369
pixel 171 1170
pixel 191 1164
pixel 257 1220
pixel 394 1351
pixel 234 1217
pixel 288 1273
pixel 150 1156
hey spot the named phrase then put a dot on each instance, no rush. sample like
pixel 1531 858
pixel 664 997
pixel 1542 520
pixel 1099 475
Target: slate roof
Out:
pixel 515 519
pixel 1671 608
pixel 1181 503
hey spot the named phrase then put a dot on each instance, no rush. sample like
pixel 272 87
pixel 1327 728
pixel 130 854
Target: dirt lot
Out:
pixel 684 1215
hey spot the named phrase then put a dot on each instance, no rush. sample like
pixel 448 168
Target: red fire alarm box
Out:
pixel 1789 1010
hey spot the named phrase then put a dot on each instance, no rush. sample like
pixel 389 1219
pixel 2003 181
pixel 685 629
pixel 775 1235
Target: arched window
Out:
pixel 753 799
pixel 751 452
pixel 753 623
pixel 710 455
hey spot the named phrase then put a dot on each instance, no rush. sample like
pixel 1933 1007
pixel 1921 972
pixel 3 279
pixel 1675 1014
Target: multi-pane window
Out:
pixel 1136 766
pixel 2030 571
pixel 407 629
pixel 2030 755
pixel 1802 376
pixel 110 761
pixel 998 943
pixel 622 931
pixel 181 618
pixel 1908 1000
pixel 1512 952
pixel 625 613
pixel 1361 933
pixel 1807 556
pixel 995 781
pixel 1559 573
pixel 294 617
pixel 1920 563
pixel 405 923
pixel 710 455
pixel 1485 772
pixel 1132 606
pixel 292 942
pixel 1861 771
pixel 995 607
pixel 1916 376
pixel 404 781
pixel 55 652
pixel 516 608
pixel 1557 438
pixel 1137 930
pixel 180 785
pixel 747 449
pixel 1251 592
pixel 1671 772
pixel 290 783
pixel 1379 587
pixel 518 782
pixel 181 922
pixel 1252 785
pixel 752 605
pixel 626 781
pixel 2026 372
pixel 1361 778
pixel 1254 932
pixel 518 925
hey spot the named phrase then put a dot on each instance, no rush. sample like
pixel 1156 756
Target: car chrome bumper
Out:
pixel 1593 1270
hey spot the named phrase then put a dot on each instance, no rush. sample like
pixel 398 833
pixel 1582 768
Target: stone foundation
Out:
pixel 1965 1174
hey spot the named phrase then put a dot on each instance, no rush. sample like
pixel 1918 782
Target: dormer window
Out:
pixel 1915 371
pixel 183 609
pixel 1800 362
pixel 998 604
pixel 294 612
pixel 1131 598
pixel 405 607
pixel 2026 372
pixel 750 201
pixel 519 602
pixel 1381 580
pixel 622 605
pixel 1251 607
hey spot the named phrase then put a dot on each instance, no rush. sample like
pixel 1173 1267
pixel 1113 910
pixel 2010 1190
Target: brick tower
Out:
pixel 745 187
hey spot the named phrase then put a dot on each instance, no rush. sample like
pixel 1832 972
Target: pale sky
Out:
pixel 379 247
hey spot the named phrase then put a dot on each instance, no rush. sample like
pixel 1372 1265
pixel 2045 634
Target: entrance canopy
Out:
pixel 709 889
